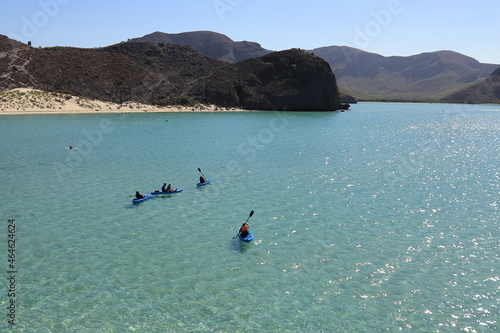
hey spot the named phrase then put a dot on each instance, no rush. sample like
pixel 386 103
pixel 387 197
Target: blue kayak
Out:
pixel 171 192
pixel 146 197
pixel 203 184
pixel 246 239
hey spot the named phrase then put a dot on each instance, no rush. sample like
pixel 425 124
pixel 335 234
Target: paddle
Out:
pixel 249 216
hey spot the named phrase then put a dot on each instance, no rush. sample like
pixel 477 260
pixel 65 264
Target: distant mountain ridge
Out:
pixel 210 44
pixel 368 76
pixel 426 76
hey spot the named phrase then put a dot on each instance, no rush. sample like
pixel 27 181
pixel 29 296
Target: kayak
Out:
pixel 246 239
pixel 172 192
pixel 203 184
pixel 146 197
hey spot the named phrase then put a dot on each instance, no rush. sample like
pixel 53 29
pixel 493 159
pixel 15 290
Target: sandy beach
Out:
pixel 30 101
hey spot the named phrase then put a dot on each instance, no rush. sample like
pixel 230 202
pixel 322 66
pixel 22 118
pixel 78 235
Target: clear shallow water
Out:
pixel 377 219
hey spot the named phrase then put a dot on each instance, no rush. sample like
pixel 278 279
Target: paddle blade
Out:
pixel 199 169
pixel 249 216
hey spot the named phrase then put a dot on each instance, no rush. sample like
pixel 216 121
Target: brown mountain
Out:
pixel 426 76
pixel 211 44
pixel 486 91
pixel 165 74
pixel 216 46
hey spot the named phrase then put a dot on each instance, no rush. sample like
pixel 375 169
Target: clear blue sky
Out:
pixel 387 27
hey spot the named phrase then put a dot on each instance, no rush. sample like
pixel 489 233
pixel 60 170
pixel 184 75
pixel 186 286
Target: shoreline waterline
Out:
pixel 21 101
pixel 66 112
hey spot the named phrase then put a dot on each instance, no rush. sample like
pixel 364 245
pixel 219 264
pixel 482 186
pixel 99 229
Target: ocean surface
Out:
pixel 383 218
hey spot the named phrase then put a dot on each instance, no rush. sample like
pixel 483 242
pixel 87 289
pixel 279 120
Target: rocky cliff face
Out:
pixel 288 80
pixel 165 74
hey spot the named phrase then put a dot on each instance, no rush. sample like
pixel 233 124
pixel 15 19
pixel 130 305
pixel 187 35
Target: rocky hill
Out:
pixel 211 44
pixel 426 76
pixel 485 91
pixel 291 80
pixel 165 74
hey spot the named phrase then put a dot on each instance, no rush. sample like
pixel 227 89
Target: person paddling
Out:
pixel 202 180
pixel 244 229
pixel 138 195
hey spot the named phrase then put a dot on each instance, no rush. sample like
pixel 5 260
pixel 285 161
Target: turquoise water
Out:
pixel 382 218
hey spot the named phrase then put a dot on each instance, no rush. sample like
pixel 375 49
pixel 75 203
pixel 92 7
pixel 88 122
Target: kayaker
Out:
pixel 202 180
pixel 244 229
pixel 169 188
pixel 138 195
pixel 163 188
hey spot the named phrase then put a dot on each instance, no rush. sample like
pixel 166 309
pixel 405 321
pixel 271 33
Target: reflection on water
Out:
pixel 385 216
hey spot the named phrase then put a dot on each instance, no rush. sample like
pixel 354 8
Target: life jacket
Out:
pixel 244 231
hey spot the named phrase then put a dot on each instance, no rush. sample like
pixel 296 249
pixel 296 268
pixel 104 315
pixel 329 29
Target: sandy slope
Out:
pixel 30 101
